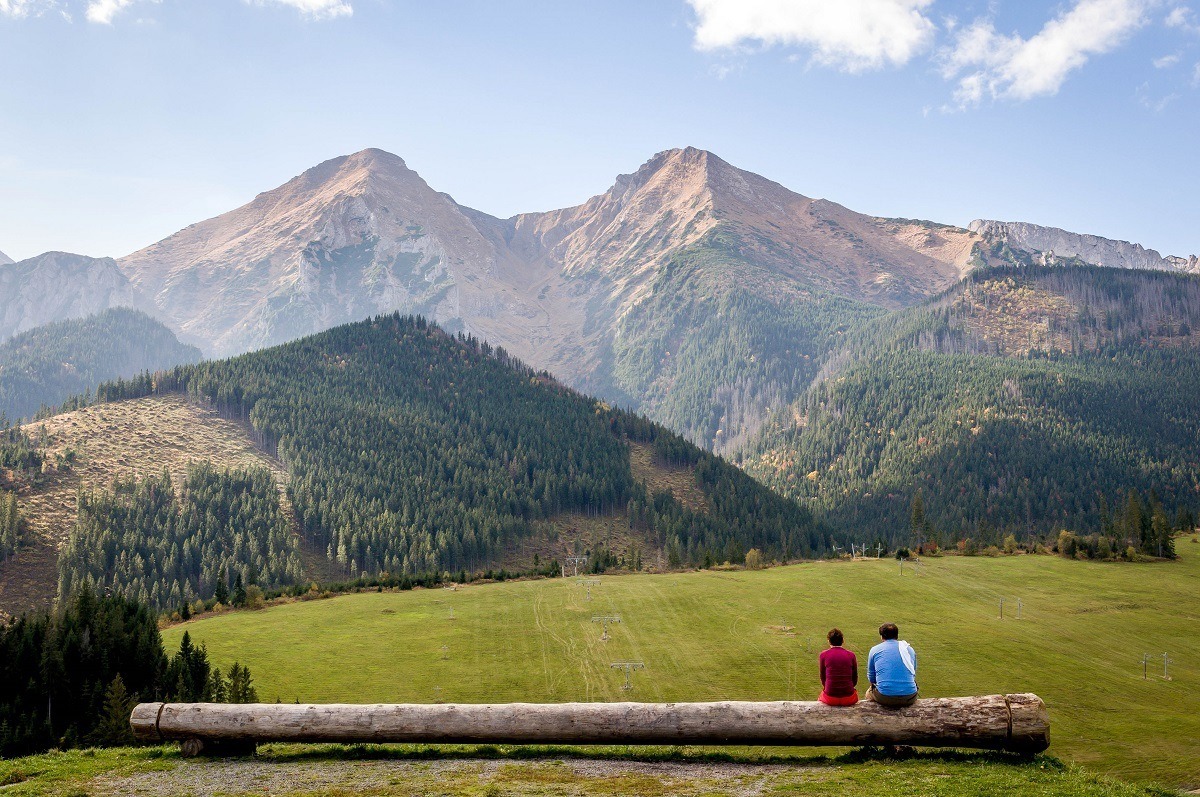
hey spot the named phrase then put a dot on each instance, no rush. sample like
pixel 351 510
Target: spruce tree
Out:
pixel 222 591
pixel 113 728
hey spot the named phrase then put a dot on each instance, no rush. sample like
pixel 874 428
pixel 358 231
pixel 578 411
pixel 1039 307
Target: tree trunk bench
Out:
pixel 1016 723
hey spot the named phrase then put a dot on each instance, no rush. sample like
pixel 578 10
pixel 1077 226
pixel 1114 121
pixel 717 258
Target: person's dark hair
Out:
pixel 835 638
pixel 889 631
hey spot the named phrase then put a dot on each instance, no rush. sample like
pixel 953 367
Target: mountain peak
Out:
pixel 5 259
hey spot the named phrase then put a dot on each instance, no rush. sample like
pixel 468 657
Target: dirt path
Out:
pixel 204 778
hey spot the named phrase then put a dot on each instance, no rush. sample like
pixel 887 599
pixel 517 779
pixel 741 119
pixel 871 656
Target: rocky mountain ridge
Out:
pixel 1050 243
pixel 5 259
pixel 699 293
pixel 56 286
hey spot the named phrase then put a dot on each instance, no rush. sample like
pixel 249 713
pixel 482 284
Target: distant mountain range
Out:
pixel 5 259
pixel 698 293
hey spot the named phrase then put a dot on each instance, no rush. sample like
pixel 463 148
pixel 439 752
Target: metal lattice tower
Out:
pixel 628 667
pixel 605 619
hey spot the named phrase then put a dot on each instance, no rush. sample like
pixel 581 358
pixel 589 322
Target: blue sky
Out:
pixel 122 121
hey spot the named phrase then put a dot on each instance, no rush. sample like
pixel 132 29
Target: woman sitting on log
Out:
pixel 839 673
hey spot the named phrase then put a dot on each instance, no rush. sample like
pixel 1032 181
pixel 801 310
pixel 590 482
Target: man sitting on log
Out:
pixel 892 670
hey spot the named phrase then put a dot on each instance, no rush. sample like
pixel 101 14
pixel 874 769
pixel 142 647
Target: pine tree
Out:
pixel 239 592
pixel 113 729
pixel 917 522
pixel 222 591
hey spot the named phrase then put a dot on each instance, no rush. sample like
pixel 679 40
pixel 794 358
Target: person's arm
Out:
pixel 871 667
pixel 822 660
pixel 854 661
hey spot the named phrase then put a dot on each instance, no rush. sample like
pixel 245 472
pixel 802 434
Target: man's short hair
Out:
pixel 835 638
pixel 889 631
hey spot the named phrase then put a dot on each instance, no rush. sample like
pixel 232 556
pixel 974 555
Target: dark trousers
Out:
pixel 891 701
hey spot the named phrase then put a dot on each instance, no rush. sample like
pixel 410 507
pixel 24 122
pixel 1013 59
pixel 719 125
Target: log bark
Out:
pixel 1019 723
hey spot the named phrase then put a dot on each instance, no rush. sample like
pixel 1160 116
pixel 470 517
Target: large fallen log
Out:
pixel 1018 723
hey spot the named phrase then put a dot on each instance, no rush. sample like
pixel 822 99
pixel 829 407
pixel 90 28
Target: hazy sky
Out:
pixel 122 121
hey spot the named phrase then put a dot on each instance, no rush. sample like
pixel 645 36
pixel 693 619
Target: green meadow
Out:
pixel 1079 643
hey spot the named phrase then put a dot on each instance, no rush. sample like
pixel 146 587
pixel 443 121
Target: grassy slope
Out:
pixel 741 635
pixel 334 771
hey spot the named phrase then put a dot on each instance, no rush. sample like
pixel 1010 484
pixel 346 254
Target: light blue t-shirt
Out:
pixel 886 670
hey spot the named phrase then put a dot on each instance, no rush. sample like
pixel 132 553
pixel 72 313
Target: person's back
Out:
pixel 839 673
pixel 893 679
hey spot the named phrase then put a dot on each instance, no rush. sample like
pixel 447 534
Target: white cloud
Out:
pixel 1166 61
pixel 23 8
pixel 853 35
pixel 1196 77
pixel 1012 67
pixel 1178 18
pixel 103 11
pixel 314 9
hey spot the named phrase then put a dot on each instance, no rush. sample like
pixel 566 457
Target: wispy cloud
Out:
pixel 986 63
pixel 852 35
pixel 1182 18
pixel 103 11
pixel 314 9
pixel 23 8
pixel 1145 96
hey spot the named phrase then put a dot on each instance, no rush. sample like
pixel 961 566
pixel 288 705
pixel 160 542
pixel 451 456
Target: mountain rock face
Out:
pixel 1051 242
pixel 57 286
pixel 352 237
pixel 364 234
pixel 5 259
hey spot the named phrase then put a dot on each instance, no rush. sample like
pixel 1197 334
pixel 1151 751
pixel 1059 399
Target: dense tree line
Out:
pixel 1026 445
pixel 71 678
pixel 411 451
pixel 224 531
pixel 45 366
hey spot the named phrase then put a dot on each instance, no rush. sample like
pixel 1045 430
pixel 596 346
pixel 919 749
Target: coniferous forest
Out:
pixel 142 540
pixel 72 677
pixel 411 451
pixel 935 402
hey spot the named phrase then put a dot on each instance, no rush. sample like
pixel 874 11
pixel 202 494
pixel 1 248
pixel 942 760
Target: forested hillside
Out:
pixel 411 451
pixel 719 341
pixel 41 368
pixel 1025 401
pixel 142 540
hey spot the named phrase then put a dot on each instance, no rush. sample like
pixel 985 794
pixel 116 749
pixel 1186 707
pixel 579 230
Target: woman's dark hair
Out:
pixel 889 631
pixel 835 638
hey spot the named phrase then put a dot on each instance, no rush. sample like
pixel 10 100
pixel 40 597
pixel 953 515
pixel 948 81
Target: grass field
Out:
pixel 1079 644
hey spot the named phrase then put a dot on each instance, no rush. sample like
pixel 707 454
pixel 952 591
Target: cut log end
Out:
pixel 144 722
pixel 1029 724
